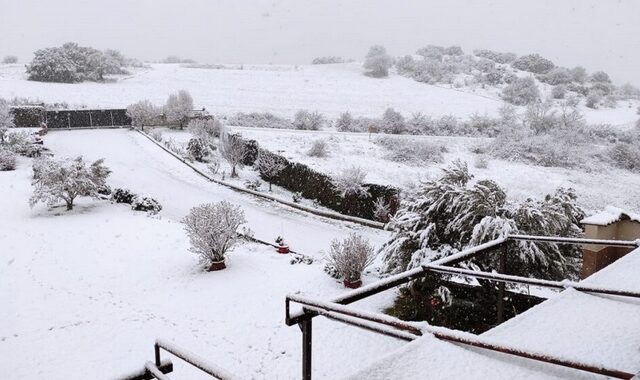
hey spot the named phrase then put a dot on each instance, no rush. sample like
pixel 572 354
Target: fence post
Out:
pixel 305 326
pixel 68 120
pixel 501 285
pixel 111 114
pixel 90 120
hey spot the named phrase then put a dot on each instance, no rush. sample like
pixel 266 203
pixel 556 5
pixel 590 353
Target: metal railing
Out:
pixel 384 324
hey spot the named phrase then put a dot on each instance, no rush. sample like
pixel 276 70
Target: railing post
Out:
pixel 501 285
pixel 306 327
pixel 157 353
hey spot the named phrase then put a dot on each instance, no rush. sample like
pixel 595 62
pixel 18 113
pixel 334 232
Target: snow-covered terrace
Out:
pixel 575 326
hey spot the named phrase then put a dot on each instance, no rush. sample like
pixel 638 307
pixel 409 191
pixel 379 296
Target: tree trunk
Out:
pixel 269 186
pixel 233 172
pixel 69 205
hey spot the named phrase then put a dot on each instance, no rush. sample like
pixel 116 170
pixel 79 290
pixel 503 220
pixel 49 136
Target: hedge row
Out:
pixel 314 185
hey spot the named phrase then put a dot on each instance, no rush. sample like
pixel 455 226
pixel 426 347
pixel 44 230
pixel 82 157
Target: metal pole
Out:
pixel 502 268
pixel 90 120
pixel 111 114
pixel 68 120
pixel 156 348
pixel 306 327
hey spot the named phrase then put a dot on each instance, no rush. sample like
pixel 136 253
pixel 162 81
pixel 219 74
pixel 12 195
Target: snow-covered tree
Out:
pixel 533 63
pixel 450 214
pixel 213 230
pixel 65 180
pixel 345 122
pixel 142 113
pixel 233 150
pixel 351 182
pixel 521 92
pixel 178 108
pixel 350 257
pixel 393 122
pixel 559 91
pixel 432 52
pixel 269 165
pixel 205 129
pixel 600 77
pixel 6 119
pixel 309 121
pixel 378 62
pixel 579 74
pixel 7 160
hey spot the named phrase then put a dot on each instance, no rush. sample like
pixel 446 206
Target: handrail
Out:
pixel 193 359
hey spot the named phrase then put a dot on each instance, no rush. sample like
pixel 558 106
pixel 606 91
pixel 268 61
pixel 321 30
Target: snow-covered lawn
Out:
pixel 282 90
pixel 86 292
pixel 596 190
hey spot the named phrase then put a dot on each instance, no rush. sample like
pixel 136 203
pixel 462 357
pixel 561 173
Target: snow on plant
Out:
pixel 319 148
pixel 381 211
pixel 156 134
pixel 178 108
pixel 197 149
pixel 175 147
pixel 351 182
pixel 626 156
pixel 344 123
pixel 393 122
pixel 7 160
pixel 6 119
pixel 65 180
pixel 378 62
pixel 533 63
pixel 269 165
pixel 405 150
pixel 233 150
pixel 309 121
pixel 351 256
pixel 147 204
pixel 214 165
pixel 213 229
pixel 206 130
pixel 9 59
pixel 450 214
pixel 142 113
pixel 521 92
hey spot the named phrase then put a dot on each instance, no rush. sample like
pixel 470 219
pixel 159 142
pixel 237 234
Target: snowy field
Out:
pixel 595 189
pixel 282 90
pixel 87 291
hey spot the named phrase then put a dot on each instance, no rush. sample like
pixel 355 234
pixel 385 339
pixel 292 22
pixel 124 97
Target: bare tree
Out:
pixel 213 230
pixel 269 165
pixel 65 180
pixel 233 150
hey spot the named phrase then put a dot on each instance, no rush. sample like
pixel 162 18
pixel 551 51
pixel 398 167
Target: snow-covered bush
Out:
pixel 344 123
pixel 319 148
pixel 259 120
pixel 453 50
pixel 7 160
pixel 233 150
pixel 541 117
pixel 21 143
pixel 378 62
pixel 559 91
pixel 6 119
pixel 351 256
pixel 351 182
pixel 156 134
pixel 178 109
pixel 175 147
pixel 214 165
pixel 533 63
pixel 382 211
pixel 104 190
pixel 197 149
pixel 451 213
pixel 405 65
pixel 481 162
pixel 146 204
pixel 309 121
pixel 521 92
pixel 409 151
pixel 626 156
pixel 579 74
pixel 432 71
pixel 213 230
pixel 495 56
pixel 254 185
pixel 593 99
pixel 431 52
pixel 557 75
pixel 66 180
pixel 120 195
pixel 600 77
pixel 393 122
pixel 9 59
pixel 205 129
pixel 269 165
pixel 327 60
pixel 143 113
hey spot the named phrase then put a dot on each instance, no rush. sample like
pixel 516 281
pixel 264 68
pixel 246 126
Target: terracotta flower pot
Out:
pixel 283 249
pixel 352 284
pixel 217 265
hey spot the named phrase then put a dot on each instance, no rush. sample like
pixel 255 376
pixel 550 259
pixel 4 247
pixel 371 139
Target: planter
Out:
pixel 283 249
pixel 217 265
pixel 352 284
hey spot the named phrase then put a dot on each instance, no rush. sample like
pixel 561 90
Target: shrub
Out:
pixel 104 190
pixel 123 196
pixel 156 134
pixel 214 165
pixel 6 119
pixel 600 77
pixel 269 166
pixel 431 52
pixel 143 113
pixel 233 150
pixel 533 63
pixel 557 75
pixel 178 108
pixel 213 230
pixel 405 65
pixel 593 100
pixel 351 182
pixel 351 256
pixel 7 161
pixel 495 56
pixel 310 121
pixel 259 120
pixel 431 71
pixel 382 211
pixel 378 62
pixel 521 92
pixel 626 156
pixel 481 162
pixel 253 185
pixel 453 50
pixel 579 74
pixel 559 91
pixel 319 148
pixel 66 180
pixel 327 60
pixel 146 204
pixel 10 59
pixel 393 122
pixel 197 149
pixel 205 129
pixel 415 152
pixel 175 147
pixel 345 123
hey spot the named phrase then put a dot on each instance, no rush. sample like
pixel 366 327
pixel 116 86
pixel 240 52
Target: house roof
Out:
pixel 610 215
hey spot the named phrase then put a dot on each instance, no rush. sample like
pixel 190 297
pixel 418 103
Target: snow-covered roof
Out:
pixel 590 328
pixel 610 215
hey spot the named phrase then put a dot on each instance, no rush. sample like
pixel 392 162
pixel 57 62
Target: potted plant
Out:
pixel 282 246
pixel 350 257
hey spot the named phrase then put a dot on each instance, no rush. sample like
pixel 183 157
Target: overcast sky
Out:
pixel 598 34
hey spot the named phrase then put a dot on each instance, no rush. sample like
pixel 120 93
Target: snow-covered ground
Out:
pixel 282 90
pixel 595 189
pixel 86 292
